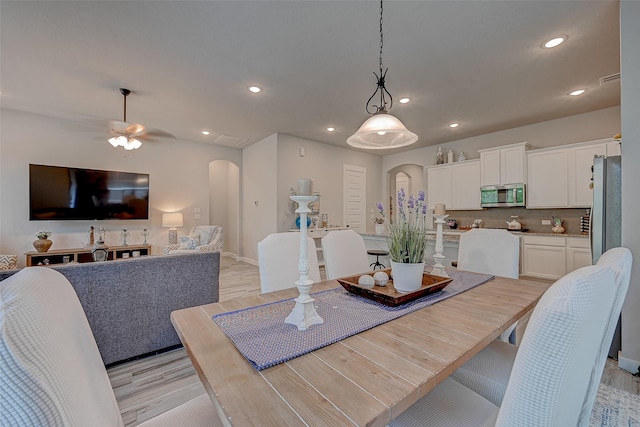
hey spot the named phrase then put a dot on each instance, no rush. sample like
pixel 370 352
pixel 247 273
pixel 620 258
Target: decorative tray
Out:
pixel 388 295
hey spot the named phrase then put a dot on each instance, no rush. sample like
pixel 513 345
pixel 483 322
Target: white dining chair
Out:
pixel 488 372
pixel 51 372
pixel 552 369
pixel 344 253
pixel 491 251
pixel 278 256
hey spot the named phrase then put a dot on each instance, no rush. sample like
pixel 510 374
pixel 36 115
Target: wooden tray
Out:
pixel 388 295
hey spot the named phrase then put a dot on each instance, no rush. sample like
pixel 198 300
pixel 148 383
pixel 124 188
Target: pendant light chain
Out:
pixel 381 37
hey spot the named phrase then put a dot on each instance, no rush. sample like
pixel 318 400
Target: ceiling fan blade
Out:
pixel 157 133
pixel 135 129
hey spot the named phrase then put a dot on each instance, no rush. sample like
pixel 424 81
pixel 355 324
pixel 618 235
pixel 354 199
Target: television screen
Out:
pixel 75 194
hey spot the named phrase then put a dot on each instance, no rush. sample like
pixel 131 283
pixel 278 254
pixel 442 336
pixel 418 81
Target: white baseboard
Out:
pixel 628 364
pixel 239 258
pixel 250 261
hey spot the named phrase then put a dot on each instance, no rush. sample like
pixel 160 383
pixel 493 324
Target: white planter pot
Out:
pixel 407 277
pixel 380 229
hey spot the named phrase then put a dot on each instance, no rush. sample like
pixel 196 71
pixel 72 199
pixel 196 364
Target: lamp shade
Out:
pixel 380 132
pixel 172 219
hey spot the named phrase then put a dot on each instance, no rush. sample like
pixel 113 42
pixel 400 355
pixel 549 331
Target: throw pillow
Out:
pixel 187 242
pixel 204 234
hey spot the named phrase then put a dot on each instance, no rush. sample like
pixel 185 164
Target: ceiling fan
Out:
pixel 130 135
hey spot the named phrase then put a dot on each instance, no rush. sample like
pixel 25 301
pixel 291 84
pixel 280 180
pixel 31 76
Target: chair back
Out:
pixel 51 371
pixel 8 262
pixel 552 368
pixel 344 253
pixel 489 251
pixel 278 256
pixel 208 233
pixel 620 260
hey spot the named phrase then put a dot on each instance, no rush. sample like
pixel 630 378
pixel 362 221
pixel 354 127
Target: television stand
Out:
pixel 57 256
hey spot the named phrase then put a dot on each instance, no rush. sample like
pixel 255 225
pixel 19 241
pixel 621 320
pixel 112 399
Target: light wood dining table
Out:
pixel 367 379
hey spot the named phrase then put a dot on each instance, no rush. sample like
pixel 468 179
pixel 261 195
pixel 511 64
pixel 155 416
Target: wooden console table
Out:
pixel 82 254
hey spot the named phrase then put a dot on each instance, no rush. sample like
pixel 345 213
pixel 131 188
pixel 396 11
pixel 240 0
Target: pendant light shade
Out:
pixel 382 131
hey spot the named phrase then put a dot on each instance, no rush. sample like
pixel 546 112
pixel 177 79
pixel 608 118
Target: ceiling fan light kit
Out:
pixel 383 130
pixel 126 132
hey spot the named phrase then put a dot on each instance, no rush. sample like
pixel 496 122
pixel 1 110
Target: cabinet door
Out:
pixel 465 191
pixel 547 179
pixel 439 186
pixel 577 257
pixel 490 168
pixel 579 174
pixel 613 148
pixel 548 262
pixel 512 165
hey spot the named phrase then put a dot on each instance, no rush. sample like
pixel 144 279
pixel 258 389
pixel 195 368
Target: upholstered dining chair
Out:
pixel 8 262
pixel 201 238
pixel 552 369
pixel 488 372
pixel 491 251
pixel 344 254
pixel 51 372
pixel 278 256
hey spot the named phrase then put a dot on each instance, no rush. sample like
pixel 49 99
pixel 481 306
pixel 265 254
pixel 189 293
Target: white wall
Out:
pixel 630 105
pixel 224 202
pixel 259 195
pixel 322 163
pixel 178 173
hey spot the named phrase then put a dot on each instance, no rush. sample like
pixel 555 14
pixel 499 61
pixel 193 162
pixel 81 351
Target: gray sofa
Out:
pixel 128 302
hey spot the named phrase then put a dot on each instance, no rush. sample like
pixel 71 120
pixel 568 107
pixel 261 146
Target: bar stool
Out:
pixel 378 253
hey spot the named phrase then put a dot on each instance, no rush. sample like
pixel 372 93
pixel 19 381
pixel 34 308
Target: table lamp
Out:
pixel 172 220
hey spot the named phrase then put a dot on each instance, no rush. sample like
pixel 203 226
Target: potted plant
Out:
pixel 379 222
pixel 407 239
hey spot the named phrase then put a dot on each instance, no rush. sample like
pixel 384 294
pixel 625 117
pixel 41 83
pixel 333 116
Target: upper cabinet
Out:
pixel 503 165
pixel 455 184
pixel 560 177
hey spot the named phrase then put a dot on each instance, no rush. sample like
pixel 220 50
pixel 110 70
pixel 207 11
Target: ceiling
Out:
pixel 189 63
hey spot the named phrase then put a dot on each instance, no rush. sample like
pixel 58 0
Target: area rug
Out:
pixel 615 408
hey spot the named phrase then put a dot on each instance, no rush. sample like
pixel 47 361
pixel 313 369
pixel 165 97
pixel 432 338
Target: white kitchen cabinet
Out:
pixel 578 253
pixel 456 185
pixel 465 191
pixel 613 148
pixel 503 165
pixel 579 173
pixel 547 185
pixel 551 257
pixel 439 186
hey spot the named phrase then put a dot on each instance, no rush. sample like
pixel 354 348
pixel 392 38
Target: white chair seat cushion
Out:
pixel 198 412
pixel 449 404
pixel 487 373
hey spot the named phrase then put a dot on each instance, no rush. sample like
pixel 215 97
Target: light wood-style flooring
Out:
pixel 147 387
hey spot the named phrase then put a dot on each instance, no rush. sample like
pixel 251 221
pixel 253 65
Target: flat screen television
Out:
pixel 64 193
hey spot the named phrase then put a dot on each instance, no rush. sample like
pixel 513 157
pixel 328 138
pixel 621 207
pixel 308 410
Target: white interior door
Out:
pixel 354 185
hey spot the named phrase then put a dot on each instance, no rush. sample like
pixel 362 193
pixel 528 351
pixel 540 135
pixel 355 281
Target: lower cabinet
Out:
pixel 551 257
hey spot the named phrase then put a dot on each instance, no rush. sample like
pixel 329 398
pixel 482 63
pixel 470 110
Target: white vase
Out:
pixel 407 277
pixel 379 229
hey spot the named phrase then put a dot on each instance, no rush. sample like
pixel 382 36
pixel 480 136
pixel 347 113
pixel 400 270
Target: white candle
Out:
pixel 304 187
pixel 440 209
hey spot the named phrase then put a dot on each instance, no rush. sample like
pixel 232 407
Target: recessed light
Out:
pixel 454 125
pixel 330 129
pixel 556 41
pixel 254 89
pixel 206 132
pixel 577 92
pixel 404 100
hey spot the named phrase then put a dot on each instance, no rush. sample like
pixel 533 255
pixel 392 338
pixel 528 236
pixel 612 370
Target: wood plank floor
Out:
pixel 147 387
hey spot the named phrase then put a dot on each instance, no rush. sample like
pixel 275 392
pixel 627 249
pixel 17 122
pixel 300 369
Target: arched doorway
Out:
pixel 224 202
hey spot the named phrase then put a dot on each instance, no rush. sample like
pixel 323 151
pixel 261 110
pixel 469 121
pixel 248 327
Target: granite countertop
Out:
pixel 454 235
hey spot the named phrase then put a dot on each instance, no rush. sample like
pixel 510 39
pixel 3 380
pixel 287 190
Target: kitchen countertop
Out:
pixel 454 235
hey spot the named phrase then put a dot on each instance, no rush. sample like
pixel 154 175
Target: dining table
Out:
pixel 366 379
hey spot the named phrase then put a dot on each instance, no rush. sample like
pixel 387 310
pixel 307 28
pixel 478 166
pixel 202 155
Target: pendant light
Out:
pixel 382 130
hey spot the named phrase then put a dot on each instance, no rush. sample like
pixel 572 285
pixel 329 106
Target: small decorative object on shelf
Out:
pixel 438 257
pixel 91 236
pixel 439 156
pixel 124 233
pixel 462 157
pixel 379 222
pixel 145 234
pixel 450 156
pixel 557 225
pixel 43 243
pixel 100 251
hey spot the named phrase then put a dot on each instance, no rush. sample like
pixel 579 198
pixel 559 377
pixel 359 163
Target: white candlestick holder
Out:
pixel 438 257
pixel 304 313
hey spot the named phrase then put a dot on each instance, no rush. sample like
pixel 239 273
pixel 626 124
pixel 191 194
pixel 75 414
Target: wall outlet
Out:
pixel 546 222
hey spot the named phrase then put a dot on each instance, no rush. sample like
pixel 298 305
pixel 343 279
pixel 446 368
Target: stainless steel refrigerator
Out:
pixel 606 219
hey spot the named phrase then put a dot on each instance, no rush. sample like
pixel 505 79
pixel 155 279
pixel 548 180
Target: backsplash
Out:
pixel 530 219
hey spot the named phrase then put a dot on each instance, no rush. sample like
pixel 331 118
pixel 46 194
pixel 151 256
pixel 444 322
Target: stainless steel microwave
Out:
pixel 497 196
